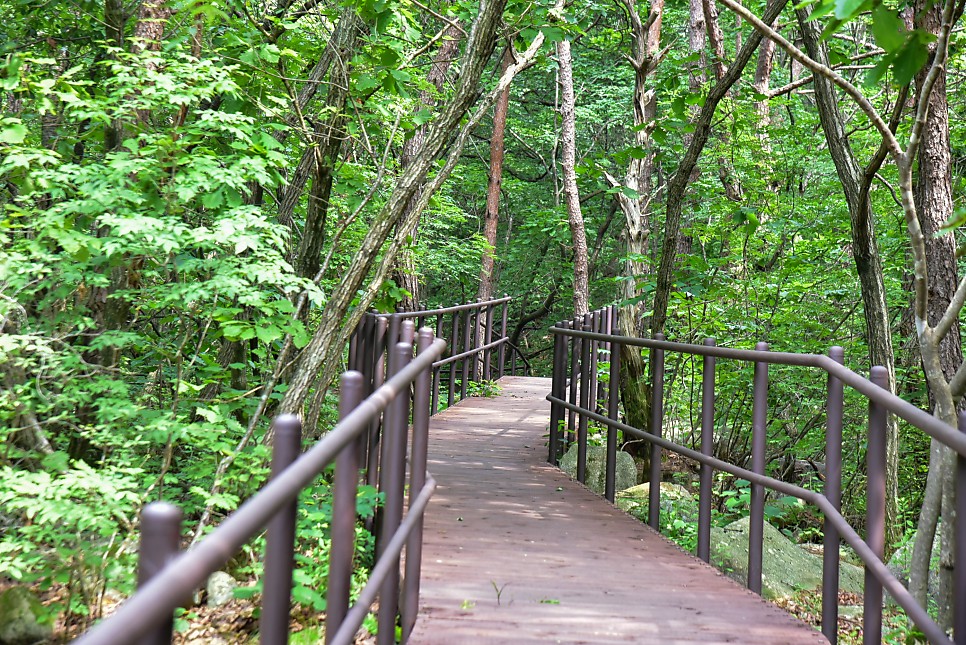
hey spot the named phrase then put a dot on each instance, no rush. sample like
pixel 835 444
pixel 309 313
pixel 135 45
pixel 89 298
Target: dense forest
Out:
pixel 200 200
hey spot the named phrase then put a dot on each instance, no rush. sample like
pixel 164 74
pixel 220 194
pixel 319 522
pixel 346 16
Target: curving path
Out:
pixel 517 552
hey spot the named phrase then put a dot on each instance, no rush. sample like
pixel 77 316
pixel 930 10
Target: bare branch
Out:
pixel 817 68
pixel 951 315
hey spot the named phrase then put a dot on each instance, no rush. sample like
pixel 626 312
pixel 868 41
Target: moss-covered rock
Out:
pixel 23 620
pixel 676 501
pixel 786 567
pixel 625 476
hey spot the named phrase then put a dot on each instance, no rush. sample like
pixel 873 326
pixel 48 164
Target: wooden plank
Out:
pixel 517 552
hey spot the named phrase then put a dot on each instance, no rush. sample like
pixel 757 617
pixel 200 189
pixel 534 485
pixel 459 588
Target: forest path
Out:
pixel 517 552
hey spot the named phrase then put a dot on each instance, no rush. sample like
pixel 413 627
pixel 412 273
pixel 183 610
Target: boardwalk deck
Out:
pixel 517 552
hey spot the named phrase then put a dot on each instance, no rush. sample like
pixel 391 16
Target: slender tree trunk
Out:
pixel 406 273
pixel 766 59
pixel 568 141
pixel 492 218
pixel 678 183
pixel 715 38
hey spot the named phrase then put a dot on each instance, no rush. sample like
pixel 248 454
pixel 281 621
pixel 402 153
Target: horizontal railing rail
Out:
pixel 577 344
pixel 477 350
pixel 167 579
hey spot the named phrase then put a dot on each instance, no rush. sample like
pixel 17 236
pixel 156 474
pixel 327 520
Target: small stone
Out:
pixel 221 587
pixel 23 620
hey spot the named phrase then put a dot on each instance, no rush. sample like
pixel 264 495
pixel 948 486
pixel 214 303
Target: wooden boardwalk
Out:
pixel 517 552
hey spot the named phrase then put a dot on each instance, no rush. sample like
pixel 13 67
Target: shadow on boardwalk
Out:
pixel 517 552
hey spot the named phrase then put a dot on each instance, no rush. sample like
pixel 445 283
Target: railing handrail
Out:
pixel 861 548
pixel 444 310
pixel 935 428
pixel 577 344
pixel 167 590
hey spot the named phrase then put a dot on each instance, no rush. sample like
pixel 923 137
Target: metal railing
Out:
pixel 577 344
pixel 478 346
pixel 167 579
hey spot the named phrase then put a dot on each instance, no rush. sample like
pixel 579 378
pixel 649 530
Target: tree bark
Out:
pixel 492 217
pixel 568 162
pixel 934 203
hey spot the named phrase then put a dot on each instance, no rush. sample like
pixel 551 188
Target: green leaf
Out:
pixel 874 75
pixel 845 9
pixel 912 57
pixel 12 132
pixel 888 30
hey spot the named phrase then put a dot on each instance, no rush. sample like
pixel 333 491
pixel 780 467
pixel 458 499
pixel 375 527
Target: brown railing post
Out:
pixel 574 372
pixel 833 493
pixel 657 423
pixel 469 339
pixel 160 541
pixel 380 343
pixel 487 338
pixel 434 406
pixel 557 389
pixel 613 392
pixel 280 539
pixel 875 460
pixel 759 425
pixel 585 387
pixel 959 553
pixel 707 448
pixel 454 349
pixel 344 487
pixel 393 337
pixel 392 481
pixel 417 479
pixel 501 359
pixel 365 355
pixel 594 348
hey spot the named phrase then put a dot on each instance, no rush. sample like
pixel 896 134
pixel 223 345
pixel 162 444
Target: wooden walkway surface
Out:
pixel 517 552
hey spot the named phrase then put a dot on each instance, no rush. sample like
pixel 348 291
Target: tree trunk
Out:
pixel 635 196
pixel 678 183
pixel 865 251
pixel 329 337
pixel 568 136
pixel 934 203
pixel 492 217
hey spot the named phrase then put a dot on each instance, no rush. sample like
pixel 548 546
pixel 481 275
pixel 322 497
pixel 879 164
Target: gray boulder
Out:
pixel 624 477
pixel 676 501
pixel 899 566
pixel 221 588
pixel 23 620
pixel 786 567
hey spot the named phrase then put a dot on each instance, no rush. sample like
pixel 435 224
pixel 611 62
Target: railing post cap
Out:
pixel 879 375
pixel 761 346
pixel 286 421
pixel 161 512
pixel 709 342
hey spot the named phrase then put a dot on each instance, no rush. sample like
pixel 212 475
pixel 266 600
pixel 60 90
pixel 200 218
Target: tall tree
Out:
pixel 492 217
pixel 568 162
